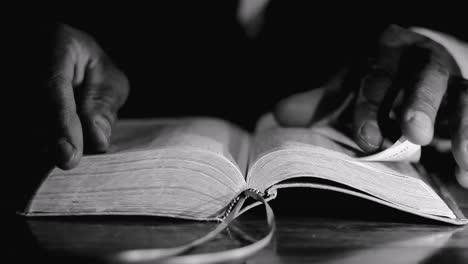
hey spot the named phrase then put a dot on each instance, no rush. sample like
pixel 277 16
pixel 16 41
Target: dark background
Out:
pixel 193 58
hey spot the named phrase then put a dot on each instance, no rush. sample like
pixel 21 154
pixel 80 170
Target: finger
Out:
pixel 376 94
pixel 374 100
pixel 423 100
pixel 374 87
pixel 323 104
pixel 378 89
pixel 460 125
pixel 104 91
pixel 67 137
pixel 395 36
pixel 298 110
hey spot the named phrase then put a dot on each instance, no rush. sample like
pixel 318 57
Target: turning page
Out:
pixel 294 157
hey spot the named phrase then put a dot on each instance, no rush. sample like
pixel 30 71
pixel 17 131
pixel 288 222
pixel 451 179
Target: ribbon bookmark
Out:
pixel 173 255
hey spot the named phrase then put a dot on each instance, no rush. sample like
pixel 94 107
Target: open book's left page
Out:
pixel 187 168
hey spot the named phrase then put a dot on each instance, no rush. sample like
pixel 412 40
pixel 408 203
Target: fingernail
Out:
pixel 420 120
pixel 103 129
pixel 65 152
pixel 370 134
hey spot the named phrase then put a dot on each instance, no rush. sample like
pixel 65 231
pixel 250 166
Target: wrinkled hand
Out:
pixel 84 91
pixel 411 82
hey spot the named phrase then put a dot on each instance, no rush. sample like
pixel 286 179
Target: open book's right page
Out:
pixel 295 157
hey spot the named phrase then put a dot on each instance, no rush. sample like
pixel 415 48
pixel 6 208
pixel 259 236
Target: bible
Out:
pixel 196 168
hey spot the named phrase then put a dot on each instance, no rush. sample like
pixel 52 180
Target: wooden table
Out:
pixel 326 228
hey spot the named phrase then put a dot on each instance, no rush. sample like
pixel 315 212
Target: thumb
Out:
pixel 315 105
pixel 298 109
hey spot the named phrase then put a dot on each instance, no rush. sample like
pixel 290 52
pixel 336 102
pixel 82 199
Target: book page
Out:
pixel 204 133
pixel 280 154
pixel 187 168
pixel 332 139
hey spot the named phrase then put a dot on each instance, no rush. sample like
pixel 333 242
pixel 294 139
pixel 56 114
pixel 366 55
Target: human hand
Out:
pixel 83 92
pixel 408 82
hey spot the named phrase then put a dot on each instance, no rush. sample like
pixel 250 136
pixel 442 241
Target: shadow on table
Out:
pixel 331 228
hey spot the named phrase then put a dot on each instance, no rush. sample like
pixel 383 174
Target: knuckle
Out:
pixel 58 80
pixel 117 87
pixel 439 66
pixel 396 36
pixel 74 43
pixel 95 103
pixel 365 110
pixel 390 36
pixel 107 95
pixel 66 42
pixel 109 77
pixel 374 87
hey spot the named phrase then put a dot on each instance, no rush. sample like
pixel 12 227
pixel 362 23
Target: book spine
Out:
pixel 174 254
pixel 236 200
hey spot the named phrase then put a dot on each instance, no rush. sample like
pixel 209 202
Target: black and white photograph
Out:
pixel 236 131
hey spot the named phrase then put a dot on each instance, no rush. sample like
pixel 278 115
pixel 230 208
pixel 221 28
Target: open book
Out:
pixel 195 168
